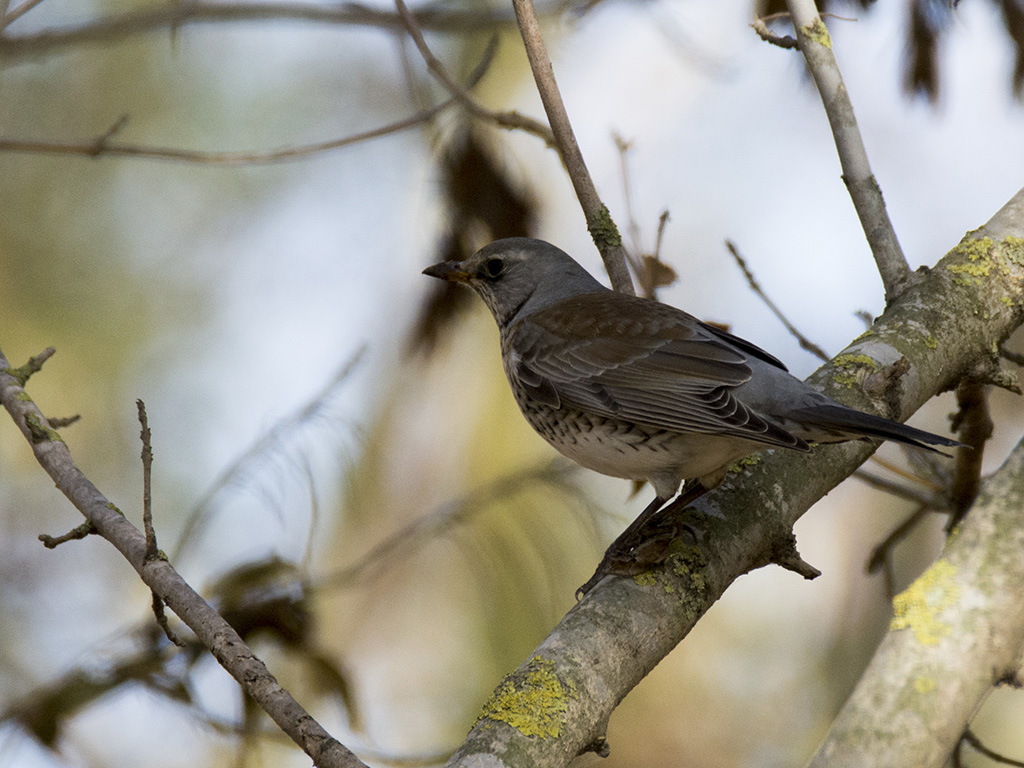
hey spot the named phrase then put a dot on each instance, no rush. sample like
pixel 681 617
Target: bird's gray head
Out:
pixel 517 276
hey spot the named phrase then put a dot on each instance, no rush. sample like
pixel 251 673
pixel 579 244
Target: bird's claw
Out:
pixel 630 555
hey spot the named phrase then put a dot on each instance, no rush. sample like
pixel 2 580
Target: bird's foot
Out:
pixel 635 552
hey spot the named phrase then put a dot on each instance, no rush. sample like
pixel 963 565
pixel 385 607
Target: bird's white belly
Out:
pixel 633 451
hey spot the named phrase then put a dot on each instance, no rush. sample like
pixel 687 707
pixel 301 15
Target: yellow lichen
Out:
pixel 852 369
pixel 534 703
pixel 747 461
pixel 41 433
pixel 931 342
pixel 924 684
pixel 646 579
pixel 918 607
pixel 984 254
pixel 817 32
pixel 1013 250
pixel 691 562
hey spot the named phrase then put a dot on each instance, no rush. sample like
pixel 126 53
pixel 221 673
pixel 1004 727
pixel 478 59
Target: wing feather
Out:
pixel 623 357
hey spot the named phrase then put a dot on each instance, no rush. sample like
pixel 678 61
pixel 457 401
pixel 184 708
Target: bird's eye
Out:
pixel 493 268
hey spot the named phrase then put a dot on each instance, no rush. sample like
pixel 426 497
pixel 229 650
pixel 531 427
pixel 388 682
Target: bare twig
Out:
pixel 933 499
pixel 971 738
pixel 632 225
pixel 12 16
pixel 787 556
pixel 213 631
pixel 911 477
pixel 66 421
pixel 816 46
pixel 599 221
pixel 783 41
pixel 446 517
pixel 806 343
pixel 152 550
pixel 147 486
pixel 651 272
pixel 510 120
pixel 1014 357
pixel 102 146
pixel 881 555
pixel 34 365
pixel 78 532
pixel 119 26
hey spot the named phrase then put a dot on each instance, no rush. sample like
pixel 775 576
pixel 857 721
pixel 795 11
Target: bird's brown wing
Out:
pixel 622 357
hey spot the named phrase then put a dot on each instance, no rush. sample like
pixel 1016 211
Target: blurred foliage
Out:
pixel 482 204
pixel 926 24
pixel 265 601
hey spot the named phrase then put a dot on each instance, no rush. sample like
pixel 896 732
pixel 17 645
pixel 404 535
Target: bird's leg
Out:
pixel 645 543
pixel 633 530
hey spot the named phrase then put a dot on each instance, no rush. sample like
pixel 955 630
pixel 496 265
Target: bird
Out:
pixel 637 389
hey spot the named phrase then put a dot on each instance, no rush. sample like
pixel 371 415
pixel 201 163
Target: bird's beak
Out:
pixel 451 271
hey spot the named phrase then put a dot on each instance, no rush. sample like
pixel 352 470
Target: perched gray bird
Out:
pixel 636 389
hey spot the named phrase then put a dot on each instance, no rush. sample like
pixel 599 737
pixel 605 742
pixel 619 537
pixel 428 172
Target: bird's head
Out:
pixel 517 276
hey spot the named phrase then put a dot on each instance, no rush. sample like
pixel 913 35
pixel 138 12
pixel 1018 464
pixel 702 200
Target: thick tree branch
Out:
pixel 212 630
pixel 941 326
pixel 816 46
pixel 599 221
pixel 957 631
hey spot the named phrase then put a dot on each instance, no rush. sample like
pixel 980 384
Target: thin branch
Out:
pixel 147 485
pixel 632 225
pixel 446 517
pixel 11 16
pixel 76 533
pixel 934 499
pixel 651 272
pixel 152 550
pixel 104 148
pixel 804 342
pixel 599 221
pixel 509 120
pixel 172 15
pixel 35 364
pixel 971 738
pixel 816 46
pixel 974 424
pixel 881 555
pixel 213 631
pixel 783 41
pixel 1014 357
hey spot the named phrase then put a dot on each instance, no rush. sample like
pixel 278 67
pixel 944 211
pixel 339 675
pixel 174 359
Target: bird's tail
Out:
pixel 843 423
